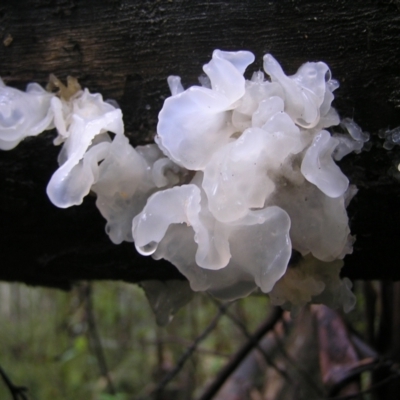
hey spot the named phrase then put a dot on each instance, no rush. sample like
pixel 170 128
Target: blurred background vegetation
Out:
pixel 45 340
pixel 101 341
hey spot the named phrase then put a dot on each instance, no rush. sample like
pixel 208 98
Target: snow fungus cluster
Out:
pixel 242 173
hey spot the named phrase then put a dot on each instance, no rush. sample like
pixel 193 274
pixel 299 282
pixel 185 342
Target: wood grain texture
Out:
pixel 126 49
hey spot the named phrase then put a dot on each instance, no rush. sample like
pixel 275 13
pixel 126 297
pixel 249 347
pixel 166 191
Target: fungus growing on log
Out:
pixel 242 174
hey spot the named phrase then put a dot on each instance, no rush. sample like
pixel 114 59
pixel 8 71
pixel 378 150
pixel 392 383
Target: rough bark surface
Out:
pixel 126 49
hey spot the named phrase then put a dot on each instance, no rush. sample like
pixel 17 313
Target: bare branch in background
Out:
pixel 224 374
pixel 94 338
pixel 388 340
pixel 297 367
pixel 268 359
pixel 190 350
pixel 17 392
pixel 390 379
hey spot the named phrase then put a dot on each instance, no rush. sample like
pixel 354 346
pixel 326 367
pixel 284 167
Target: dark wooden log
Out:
pixel 126 49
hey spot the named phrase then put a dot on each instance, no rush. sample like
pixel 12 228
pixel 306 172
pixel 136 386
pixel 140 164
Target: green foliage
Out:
pixel 46 343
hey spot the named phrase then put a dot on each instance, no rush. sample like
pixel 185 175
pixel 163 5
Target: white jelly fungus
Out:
pixel 242 173
pixel 23 114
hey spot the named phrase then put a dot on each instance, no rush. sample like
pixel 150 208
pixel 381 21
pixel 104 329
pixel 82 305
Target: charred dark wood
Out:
pixel 126 49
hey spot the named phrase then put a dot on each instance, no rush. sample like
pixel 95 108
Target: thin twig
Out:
pixel 17 392
pixel 247 334
pixel 94 338
pixel 171 375
pixel 224 374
